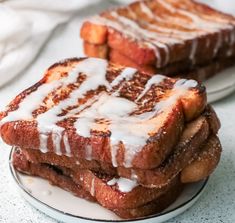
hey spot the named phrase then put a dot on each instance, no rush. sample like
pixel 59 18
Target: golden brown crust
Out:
pixel 93 33
pixel 205 163
pixel 92 50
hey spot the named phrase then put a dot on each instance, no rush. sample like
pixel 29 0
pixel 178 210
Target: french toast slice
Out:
pixel 93 109
pixel 159 33
pixel 111 193
pixel 195 139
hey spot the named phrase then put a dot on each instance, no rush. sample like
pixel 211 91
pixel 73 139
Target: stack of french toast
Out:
pixel 125 139
pixel 170 37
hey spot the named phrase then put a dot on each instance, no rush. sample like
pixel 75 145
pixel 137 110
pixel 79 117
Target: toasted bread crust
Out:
pixel 92 50
pixel 93 33
pixel 205 163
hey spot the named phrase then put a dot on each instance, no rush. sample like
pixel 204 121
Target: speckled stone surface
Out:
pixel 215 206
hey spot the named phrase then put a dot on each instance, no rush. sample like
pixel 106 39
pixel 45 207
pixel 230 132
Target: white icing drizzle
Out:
pixel 229 52
pixel 133 30
pixel 154 80
pixel 185 84
pixel 218 43
pixel 162 39
pixel 27 106
pixel 197 20
pixel 95 78
pixel 208 42
pixel 114 150
pixel 133 175
pixel 66 145
pixel 88 151
pixel 77 162
pixel 144 8
pixel 127 74
pixel 43 143
pixel 173 32
pixel 156 41
pixel 112 182
pixel 92 191
pixel 56 138
pixel 124 185
pixel 193 50
pixel 132 131
pixel 47 121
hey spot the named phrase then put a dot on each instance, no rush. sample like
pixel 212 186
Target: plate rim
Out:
pixel 222 89
pixel 227 87
pixel 13 172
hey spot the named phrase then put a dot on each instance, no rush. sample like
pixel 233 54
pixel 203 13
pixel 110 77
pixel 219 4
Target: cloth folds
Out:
pixel 25 25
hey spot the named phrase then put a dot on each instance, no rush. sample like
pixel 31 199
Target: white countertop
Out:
pixel 217 203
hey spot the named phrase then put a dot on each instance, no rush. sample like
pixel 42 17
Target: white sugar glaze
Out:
pixel 88 150
pixel 66 145
pixel 124 185
pixel 154 80
pixel 126 74
pixel 92 191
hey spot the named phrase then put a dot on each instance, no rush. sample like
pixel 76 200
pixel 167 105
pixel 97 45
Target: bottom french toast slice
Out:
pixel 63 177
pixel 111 192
pixel 205 163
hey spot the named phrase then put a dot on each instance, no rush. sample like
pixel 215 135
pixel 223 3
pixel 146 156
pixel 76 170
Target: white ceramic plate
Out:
pixel 221 85
pixel 63 206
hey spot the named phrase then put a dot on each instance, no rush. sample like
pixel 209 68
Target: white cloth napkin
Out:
pixel 25 26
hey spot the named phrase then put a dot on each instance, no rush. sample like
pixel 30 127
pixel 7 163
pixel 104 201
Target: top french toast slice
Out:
pixel 92 109
pixel 163 32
